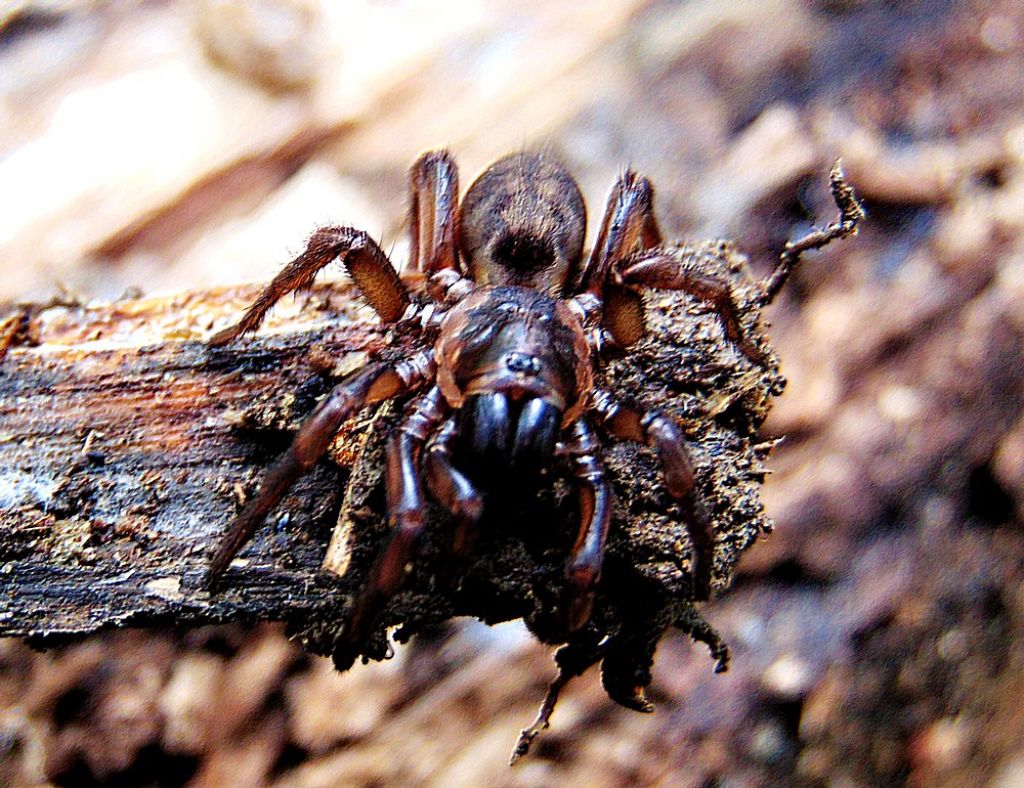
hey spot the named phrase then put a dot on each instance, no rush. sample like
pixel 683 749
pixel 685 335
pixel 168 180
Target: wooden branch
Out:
pixel 127 445
pixel 123 454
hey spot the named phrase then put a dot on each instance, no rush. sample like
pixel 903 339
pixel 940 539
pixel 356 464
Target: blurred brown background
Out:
pixel 877 634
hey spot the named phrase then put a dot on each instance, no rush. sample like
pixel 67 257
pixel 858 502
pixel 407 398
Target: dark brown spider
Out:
pixel 512 322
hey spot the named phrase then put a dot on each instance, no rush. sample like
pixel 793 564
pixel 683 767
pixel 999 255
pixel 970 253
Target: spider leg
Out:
pixel 850 215
pixel 406 504
pixel 434 182
pixel 659 431
pixel 434 207
pixel 373 383
pixel 628 226
pixel 450 487
pixel 368 266
pixel 680 269
pixel 584 567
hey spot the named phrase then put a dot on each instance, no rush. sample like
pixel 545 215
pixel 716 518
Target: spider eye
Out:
pixel 522 363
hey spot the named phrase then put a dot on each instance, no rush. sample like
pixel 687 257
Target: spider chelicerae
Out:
pixel 512 321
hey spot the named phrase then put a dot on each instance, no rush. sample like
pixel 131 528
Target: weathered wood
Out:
pixel 123 455
pixel 126 445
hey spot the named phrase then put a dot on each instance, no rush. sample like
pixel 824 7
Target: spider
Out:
pixel 512 321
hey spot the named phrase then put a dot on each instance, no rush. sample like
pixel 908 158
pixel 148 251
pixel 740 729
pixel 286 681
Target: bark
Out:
pixel 127 445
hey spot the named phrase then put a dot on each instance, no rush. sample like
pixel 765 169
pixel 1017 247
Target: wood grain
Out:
pixel 127 445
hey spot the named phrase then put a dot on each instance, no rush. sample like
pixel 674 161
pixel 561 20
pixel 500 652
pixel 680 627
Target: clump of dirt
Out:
pixel 686 367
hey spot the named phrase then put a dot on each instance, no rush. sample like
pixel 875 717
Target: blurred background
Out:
pixel 878 634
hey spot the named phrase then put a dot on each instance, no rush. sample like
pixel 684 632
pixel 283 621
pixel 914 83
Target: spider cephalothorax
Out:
pixel 511 322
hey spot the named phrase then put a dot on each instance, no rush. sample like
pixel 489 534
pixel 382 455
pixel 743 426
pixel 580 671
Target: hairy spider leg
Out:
pixel 373 383
pixel 658 430
pixel 850 215
pixel 434 189
pixel 368 266
pixel 450 488
pixel 584 567
pixel 406 509
pixel 682 269
pixel 433 217
pixel 628 226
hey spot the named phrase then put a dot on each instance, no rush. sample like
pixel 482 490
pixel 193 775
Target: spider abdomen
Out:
pixel 522 222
